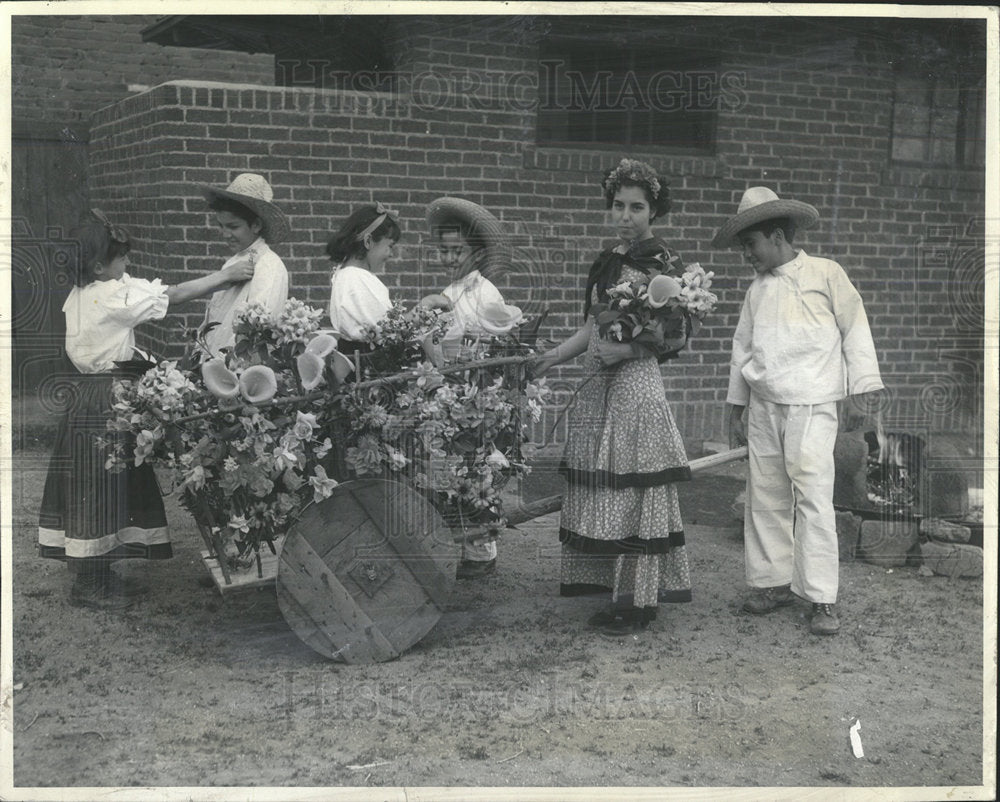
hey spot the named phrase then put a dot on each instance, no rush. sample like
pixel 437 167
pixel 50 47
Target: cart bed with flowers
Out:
pixel 348 478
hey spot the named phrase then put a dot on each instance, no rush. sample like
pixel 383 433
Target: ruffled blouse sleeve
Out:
pixel 358 300
pixel 136 300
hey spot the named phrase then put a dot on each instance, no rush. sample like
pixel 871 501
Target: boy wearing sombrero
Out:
pixel 801 345
pixel 250 223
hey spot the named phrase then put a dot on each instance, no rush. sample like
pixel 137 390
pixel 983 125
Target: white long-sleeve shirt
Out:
pixel 358 300
pixel 802 337
pixel 470 297
pixel 269 286
pixel 100 319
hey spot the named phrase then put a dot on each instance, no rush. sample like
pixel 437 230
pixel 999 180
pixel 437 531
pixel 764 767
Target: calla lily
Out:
pixel 310 367
pixel 321 345
pixel 497 319
pixel 661 289
pixel 258 383
pixel 451 342
pixel 341 365
pixel 219 380
pixel 432 350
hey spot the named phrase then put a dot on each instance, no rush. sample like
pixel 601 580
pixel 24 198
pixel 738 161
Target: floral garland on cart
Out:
pixel 252 437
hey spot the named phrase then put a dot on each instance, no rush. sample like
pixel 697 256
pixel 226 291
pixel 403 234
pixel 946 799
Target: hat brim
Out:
pixel 274 223
pixel 804 216
pixel 483 225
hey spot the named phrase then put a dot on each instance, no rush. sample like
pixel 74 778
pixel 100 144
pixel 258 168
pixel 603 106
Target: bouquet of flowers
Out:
pixel 453 426
pixel 659 312
pixel 243 446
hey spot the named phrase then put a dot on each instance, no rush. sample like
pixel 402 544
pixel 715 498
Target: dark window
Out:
pixel 600 93
pixel 939 120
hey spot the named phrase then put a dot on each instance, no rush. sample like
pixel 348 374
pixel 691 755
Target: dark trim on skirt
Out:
pixel 619 481
pixel 84 505
pixel 627 545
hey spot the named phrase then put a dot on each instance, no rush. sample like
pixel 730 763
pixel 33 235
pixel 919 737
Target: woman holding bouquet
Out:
pixel 621 526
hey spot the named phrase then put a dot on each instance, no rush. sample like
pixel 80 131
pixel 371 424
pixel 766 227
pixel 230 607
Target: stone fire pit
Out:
pixel 903 498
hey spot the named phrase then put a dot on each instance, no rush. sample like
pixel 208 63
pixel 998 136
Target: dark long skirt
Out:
pixel 88 511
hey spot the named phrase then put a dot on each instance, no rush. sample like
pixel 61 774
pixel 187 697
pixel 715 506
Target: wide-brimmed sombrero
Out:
pixel 759 204
pixel 483 227
pixel 253 191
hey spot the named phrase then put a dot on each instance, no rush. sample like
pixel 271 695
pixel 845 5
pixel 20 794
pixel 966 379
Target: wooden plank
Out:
pixel 331 521
pixel 423 565
pixel 714 460
pixel 329 606
pixel 242 580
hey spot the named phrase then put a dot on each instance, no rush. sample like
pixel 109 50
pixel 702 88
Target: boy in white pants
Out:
pixel 801 345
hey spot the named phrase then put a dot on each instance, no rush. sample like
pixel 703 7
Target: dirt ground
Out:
pixel 509 689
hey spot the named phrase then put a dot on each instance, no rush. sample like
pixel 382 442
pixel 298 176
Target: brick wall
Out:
pixel 63 68
pixel 814 126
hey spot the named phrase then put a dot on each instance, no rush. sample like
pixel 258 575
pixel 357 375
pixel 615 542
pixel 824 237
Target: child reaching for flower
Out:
pixel 90 516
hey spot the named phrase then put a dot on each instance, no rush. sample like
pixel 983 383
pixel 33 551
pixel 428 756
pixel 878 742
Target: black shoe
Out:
pixel 474 569
pixel 96 595
pixel 824 620
pixel 620 622
pixel 122 586
pixel 767 600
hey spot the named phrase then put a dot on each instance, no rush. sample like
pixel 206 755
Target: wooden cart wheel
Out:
pixel 366 573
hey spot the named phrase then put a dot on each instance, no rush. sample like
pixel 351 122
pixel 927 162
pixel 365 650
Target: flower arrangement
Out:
pixel 453 428
pixel 248 436
pixel 244 461
pixel 659 311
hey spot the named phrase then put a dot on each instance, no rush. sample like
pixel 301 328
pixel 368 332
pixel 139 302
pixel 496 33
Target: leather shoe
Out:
pixel 824 620
pixel 97 596
pixel 769 599
pixel 122 586
pixel 474 569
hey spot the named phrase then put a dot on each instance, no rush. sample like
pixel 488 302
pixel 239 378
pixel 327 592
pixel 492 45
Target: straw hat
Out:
pixel 253 191
pixel 759 204
pixel 482 225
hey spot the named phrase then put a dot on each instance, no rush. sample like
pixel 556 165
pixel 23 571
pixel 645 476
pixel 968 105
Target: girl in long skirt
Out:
pixel 89 515
pixel 621 528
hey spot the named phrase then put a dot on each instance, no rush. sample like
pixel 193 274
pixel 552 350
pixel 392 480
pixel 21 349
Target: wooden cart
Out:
pixel 365 574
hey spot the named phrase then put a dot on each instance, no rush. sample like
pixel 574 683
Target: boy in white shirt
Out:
pixel 801 345
pixel 250 223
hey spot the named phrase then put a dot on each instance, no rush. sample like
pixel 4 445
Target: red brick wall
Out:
pixel 814 126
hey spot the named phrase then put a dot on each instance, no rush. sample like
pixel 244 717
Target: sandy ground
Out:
pixel 509 689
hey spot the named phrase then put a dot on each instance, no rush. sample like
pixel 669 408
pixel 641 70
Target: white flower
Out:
pixel 239 523
pixel 323 449
pixel 497 459
pixel 305 424
pixel 322 485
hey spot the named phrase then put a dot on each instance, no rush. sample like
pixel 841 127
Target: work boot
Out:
pixel 474 569
pixel 767 600
pixel 824 620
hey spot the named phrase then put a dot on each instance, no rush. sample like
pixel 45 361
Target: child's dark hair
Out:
pixel 768 227
pixel 220 204
pixel 633 173
pixel 97 242
pixel 347 242
pixel 474 239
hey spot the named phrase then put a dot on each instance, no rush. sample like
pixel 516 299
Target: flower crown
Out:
pixel 635 171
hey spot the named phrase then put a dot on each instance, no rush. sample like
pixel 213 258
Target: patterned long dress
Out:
pixel 621 525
